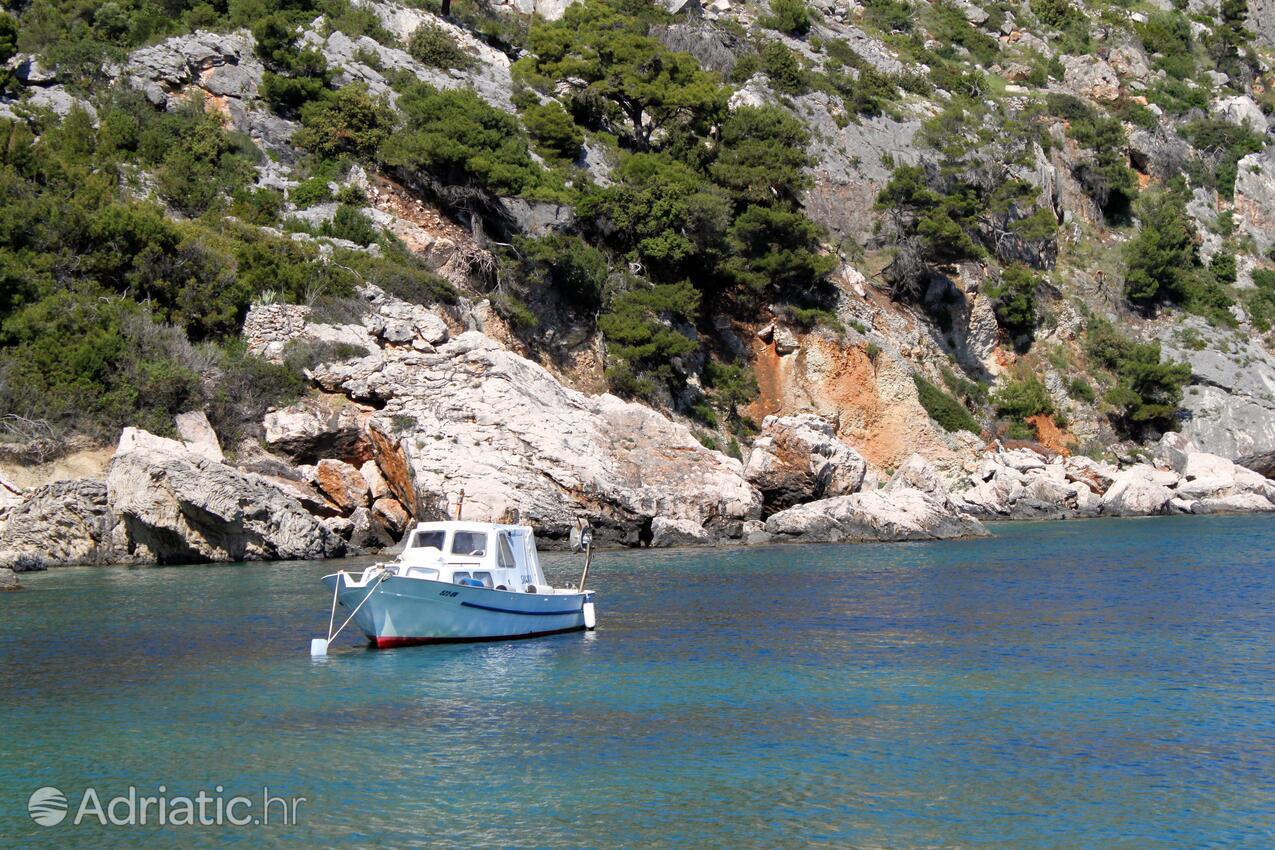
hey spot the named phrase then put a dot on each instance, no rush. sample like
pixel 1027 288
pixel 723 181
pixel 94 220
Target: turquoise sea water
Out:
pixel 1102 684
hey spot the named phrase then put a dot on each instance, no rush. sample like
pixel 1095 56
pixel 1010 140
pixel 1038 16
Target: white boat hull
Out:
pixel 408 611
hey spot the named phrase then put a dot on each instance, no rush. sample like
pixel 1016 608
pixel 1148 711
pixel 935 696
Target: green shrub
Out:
pixel 888 15
pixel 462 140
pixel 1224 145
pixel 1147 392
pixel 350 223
pixel 257 206
pixel 783 67
pixel 1081 390
pixel 553 130
pixel 568 264
pixel 639 330
pixel 1014 300
pixel 352 121
pixel 1023 398
pixel 435 46
pixel 949 413
pixel 1260 300
pixel 607 45
pixel 307 193
pixel 788 16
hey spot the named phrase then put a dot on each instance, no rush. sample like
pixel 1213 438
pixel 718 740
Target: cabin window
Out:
pixel 470 544
pixel 429 538
pixel 485 578
pixel 505 553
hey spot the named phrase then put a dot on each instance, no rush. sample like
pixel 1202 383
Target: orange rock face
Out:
pixel 392 460
pixel 874 404
pixel 1049 435
pixel 341 483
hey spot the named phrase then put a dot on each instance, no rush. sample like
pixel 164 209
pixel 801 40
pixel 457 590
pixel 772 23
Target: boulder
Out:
pixel 474 416
pixel 678 532
pixel 1172 451
pixel 916 473
pixel 316 428
pixel 367 533
pixel 902 514
pixel 755 534
pixel 392 516
pixel 1091 77
pixel 9 581
pixel 1204 475
pixel 799 458
pixel 1138 491
pixel 1097 476
pixel 180 507
pixel 65 522
pixel 1232 503
pixel 342 483
pixel 1240 109
pixel 377 486
pixel 198 434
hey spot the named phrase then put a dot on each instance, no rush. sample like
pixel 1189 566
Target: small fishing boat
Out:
pixel 459 581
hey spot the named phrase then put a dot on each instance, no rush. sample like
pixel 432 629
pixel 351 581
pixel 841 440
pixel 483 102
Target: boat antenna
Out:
pixel 460 504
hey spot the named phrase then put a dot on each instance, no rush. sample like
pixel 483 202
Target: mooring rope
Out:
pixel 331 634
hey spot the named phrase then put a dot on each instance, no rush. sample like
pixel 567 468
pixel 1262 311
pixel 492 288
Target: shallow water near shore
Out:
pixel 1106 683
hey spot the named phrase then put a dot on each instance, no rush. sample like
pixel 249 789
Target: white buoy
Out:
pixel 590 616
pixel 318 647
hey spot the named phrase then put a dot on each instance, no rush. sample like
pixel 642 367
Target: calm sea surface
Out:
pixel 1102 684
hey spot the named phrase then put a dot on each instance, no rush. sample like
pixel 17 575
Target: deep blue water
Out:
pixel 1101 684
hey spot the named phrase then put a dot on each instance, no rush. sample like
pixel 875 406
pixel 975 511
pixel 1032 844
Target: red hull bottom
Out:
pixel 395 642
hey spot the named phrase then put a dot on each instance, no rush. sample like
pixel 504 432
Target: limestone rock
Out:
pixel 1140 490
pixel 367 533
pixel 65 522
pixel 1255 198
pixel 902 514
pixel 678 532
pixel 799 458
pixel 1172 452
pixel 1240 109
pixel 1229 405
pixel 180 507
pixel 342 483
pixel 1233 503
pixel 917 473
pixel 9 580
pixel 755 534
pixel 316 428
pixel 376 484
pixel 1261 20
pixel 391 514
pixel 198 434
pixel 1092 77
pixel 477 417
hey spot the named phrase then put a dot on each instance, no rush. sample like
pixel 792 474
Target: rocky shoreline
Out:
pixel 433 405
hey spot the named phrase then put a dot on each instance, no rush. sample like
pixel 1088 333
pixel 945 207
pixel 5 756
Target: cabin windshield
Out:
pixel 429 538
pixel 505 553
pixel 469 544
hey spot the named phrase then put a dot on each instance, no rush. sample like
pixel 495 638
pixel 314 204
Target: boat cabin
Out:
pixel 476 554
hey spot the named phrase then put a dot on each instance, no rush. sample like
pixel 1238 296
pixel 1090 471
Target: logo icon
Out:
pixel 47 806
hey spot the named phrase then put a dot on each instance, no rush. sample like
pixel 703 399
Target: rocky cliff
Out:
pixel 1026 246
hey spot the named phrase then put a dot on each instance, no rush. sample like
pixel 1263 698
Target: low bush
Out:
pixel 949 413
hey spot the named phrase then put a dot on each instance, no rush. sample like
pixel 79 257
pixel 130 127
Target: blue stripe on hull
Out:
pixel 525 613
